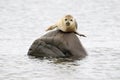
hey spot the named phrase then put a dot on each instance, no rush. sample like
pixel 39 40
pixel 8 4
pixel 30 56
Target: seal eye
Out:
pixel 65 19
pixel 71 20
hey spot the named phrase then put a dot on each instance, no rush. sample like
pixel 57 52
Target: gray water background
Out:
pixel 23 21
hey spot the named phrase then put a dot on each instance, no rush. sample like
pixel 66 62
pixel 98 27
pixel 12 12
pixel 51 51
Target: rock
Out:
pixel 58 44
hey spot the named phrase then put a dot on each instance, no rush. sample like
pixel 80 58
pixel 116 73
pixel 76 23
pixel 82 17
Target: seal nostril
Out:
pixel 67 23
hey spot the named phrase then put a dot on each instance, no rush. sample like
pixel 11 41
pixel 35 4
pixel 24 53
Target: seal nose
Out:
pixel 67 23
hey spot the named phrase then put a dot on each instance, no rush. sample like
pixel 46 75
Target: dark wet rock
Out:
pixel 57 44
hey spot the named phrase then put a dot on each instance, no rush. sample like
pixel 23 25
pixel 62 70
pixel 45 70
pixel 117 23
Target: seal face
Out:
pixel 67 24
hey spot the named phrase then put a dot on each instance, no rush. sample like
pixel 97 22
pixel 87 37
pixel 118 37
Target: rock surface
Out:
pixel 57 44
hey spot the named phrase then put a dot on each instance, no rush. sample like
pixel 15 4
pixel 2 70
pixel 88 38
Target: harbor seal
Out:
pixel 66 24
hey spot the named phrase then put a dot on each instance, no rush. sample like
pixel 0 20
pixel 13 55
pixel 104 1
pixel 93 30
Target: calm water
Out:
pixel 23 21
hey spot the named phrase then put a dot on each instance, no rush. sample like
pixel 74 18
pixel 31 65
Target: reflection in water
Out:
pixel 22 21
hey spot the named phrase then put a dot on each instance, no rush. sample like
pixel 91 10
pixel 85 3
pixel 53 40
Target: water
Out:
pixel 23 21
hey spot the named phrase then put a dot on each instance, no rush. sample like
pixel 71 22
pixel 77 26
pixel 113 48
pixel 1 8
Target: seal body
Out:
pixel 66 24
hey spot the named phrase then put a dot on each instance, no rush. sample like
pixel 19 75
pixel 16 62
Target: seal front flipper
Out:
pixel 51 27
pixel 80 34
